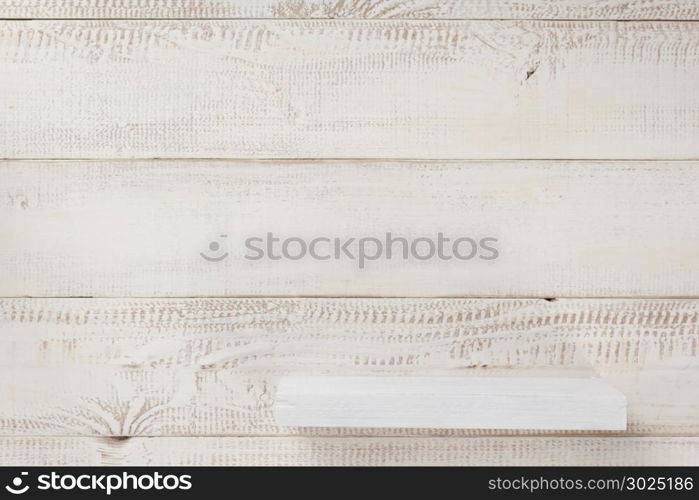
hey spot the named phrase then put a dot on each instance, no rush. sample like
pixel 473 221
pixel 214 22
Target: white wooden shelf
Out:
pixel 450 402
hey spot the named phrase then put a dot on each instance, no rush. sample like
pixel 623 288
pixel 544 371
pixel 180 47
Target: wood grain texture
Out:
pixel 360 9
pixel 543 403
pixel 179 367
pixel 125 228
pixel 349 89
pixel 314 451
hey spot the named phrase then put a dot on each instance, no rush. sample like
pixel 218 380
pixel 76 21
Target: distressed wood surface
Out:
pixel 130 228
pixel 457 402
pixel 500 451
pixel 348 89
pixel 180 367
pixel 360 9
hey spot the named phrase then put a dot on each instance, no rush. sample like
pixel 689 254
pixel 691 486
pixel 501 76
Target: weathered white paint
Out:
pixel 343 89
pixel 366 451
pixel 159 367
pixel 543 403
pixel 396 9
pixel 125 228
pixel 348 89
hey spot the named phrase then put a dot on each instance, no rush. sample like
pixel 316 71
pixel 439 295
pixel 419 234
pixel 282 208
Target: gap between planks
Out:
pixel 367 297
pixel 321 161
pixel 368 20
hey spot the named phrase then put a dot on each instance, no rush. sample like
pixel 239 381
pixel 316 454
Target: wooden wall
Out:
pixel 135 133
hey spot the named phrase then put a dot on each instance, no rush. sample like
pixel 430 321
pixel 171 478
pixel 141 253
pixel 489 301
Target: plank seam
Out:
pixel 339 19
pixel 371 297
pixel 346 159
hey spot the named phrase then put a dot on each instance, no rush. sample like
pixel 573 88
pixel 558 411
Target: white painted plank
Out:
pixel 125 228
pixel 375 9
pixel 542 403
pixel 349 89
pixel 220 451
pixel 153 367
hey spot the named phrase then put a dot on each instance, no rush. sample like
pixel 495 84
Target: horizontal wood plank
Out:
pixel 159 367
pixel 281 451
pixel 359 9
pixel 542 403
pixel 349 89
pixel 126 228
